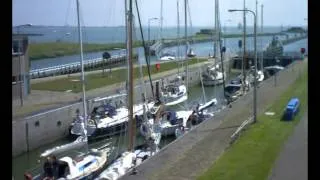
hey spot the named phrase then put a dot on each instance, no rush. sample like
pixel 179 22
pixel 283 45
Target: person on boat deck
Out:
pixel 173 91
pixel 63 170
pixel 48 168
pixel 55 166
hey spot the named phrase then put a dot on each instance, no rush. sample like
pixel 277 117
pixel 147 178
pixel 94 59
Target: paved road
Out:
pixel 292 163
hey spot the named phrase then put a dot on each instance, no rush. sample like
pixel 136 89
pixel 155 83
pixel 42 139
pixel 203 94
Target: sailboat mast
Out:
pixel 261 62
pixel 82 73
pixel 130 92
pixel 257 24
pixel 126 25
pixel 244 45
pixel 216 30
pixel 186 39
pixel 222 56
pixel 161 20
pixel 178 35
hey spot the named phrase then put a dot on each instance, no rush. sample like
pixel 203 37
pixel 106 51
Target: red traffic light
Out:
pixel 302 50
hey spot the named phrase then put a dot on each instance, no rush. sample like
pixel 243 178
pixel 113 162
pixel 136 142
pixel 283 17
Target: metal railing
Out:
pixel 70 67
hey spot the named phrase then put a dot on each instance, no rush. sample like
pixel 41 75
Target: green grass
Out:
pixel 253 155
pixel 98 80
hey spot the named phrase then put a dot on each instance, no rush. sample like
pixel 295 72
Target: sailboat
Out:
pixel 84 165
pixel 197 116
pixel 191 53
pixel 130 158
pixel 170 120
pixel 175 92
pixel 109 118
pixel 167 56
pixel 214 74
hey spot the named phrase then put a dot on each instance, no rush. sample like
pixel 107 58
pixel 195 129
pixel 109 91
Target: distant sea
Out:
pixel 114 34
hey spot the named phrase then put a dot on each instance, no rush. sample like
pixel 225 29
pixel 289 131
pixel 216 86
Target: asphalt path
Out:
pixel 292 163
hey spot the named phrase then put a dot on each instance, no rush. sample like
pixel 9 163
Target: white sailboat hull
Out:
pixel 167 58
pixel 79 142
pixel 167 129
pixel 177 100
pixel 176 96
pixel 124 164
pixel 109 126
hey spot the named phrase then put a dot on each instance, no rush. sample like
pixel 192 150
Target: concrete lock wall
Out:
pixel 35 131
pixel 44 128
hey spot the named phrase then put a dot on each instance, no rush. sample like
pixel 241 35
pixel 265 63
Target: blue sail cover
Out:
pixel 172 117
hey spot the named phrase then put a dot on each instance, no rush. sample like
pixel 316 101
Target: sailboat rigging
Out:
pixel 85 165
pixel 213 75
pixel 130 158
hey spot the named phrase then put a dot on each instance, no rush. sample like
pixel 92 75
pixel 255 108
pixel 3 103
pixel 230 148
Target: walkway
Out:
pixel 292 163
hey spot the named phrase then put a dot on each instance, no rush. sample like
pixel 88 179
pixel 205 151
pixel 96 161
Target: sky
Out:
pixel 111 12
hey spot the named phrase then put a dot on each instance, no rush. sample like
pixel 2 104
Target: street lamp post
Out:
pixel 255 62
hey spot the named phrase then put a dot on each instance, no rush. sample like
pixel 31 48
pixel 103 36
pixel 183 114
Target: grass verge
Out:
pixel 253 155
pixel 98 80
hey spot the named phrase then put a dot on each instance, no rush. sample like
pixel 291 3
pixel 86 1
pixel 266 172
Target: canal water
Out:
pixel 29 160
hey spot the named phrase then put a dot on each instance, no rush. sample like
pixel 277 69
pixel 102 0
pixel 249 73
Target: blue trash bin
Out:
pixel 292 109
